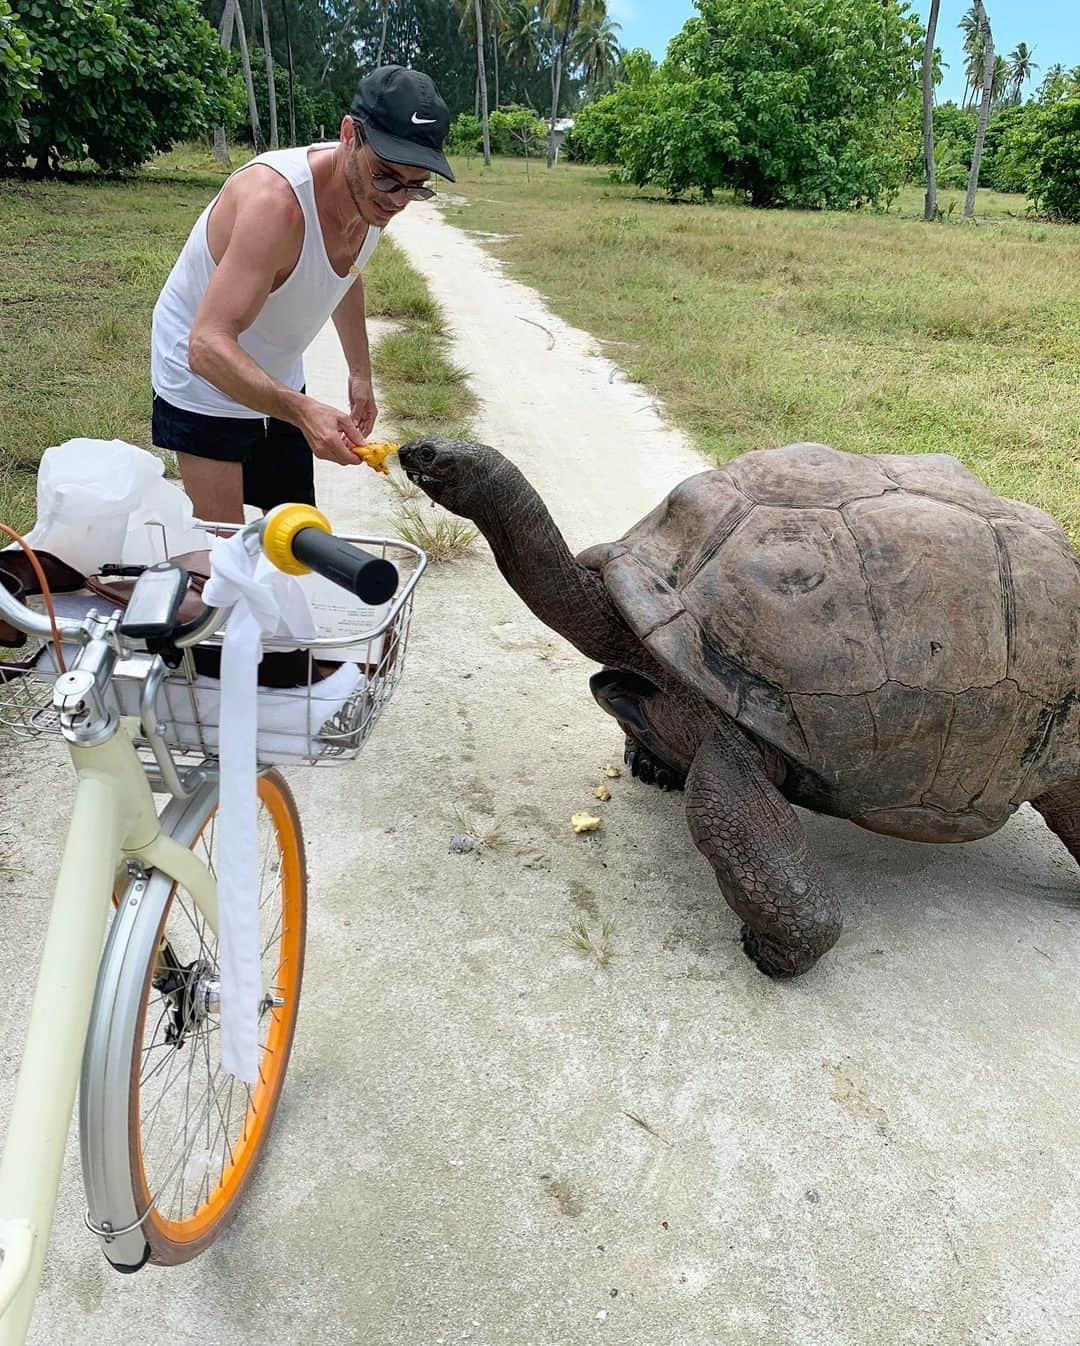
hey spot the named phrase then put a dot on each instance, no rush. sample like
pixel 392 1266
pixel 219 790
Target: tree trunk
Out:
pixel 930 207
pixel 292 77
pixel 245 61
pixel 557 81
pixel 495 60
pixel 332 48
pixel 271 90
pixel 984 107
pixel 382 33
pixel 481 79
pixel 225 34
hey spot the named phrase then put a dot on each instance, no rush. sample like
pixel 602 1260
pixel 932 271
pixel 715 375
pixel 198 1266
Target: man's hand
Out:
pixel 330 432
pixel 362 402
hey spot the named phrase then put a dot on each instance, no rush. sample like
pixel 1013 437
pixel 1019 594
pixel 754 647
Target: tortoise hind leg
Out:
pixel 1061 809
pixel 757 847
pixel 628 697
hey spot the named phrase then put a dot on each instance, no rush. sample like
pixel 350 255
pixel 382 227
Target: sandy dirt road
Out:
pixel 885 1151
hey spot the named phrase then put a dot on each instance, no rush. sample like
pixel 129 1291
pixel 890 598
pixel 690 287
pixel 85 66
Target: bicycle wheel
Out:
pixel 170 1140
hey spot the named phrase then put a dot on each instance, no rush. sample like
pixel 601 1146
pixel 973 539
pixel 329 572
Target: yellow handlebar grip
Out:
pixel 281 526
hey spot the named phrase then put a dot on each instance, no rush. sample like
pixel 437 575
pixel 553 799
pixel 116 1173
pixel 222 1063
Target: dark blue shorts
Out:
pixel 277 460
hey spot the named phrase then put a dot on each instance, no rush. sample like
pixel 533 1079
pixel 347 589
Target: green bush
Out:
pixel 466 134
pixel 327 111
pixel 1053 148
pixel 600 127
pixel 792 102
pixel 954 144
pixel 511 130
pixel 1005 163
pixel 18 81
pixel 120 80
pixel 516 130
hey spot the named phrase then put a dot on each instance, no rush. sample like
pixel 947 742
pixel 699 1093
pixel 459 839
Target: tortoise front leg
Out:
pixel 755 843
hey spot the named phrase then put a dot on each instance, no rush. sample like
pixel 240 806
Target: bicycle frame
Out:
pixel 113 821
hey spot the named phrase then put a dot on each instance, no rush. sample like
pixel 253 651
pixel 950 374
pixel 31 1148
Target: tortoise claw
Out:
pixel 779 961
pixel 649 769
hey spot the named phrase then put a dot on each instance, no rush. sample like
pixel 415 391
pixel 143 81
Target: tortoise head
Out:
pixel 455 473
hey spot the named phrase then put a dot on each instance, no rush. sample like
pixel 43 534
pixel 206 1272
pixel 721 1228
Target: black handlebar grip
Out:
pixel 373 579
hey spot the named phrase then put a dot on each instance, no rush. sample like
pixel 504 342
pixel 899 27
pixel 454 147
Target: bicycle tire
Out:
pixel 135 1188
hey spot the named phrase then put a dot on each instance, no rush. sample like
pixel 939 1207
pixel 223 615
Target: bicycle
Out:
pixel 169 1143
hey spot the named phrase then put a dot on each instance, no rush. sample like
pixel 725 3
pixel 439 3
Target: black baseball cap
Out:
pixel 404 119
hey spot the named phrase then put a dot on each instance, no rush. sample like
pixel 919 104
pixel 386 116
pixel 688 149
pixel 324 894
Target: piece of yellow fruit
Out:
pixel 602 792
pixel 584 822
pixel 612 772
pixel 375 455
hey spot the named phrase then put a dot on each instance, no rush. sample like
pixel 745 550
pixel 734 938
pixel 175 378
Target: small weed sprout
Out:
pixel 487 836
pixel 582 940
pixel 403 488
pixel 445 539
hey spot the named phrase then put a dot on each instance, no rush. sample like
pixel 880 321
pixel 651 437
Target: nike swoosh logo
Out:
pixel 423 121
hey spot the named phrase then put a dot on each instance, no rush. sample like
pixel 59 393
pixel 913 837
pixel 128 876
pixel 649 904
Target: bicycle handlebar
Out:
pixel 295 538
pixel 373 579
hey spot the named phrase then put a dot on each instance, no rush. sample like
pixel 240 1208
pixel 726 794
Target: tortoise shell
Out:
pixel 904 637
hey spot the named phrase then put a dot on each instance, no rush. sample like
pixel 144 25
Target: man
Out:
pixel 277 252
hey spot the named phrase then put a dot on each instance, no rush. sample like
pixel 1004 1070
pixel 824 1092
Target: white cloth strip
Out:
pixel 262 601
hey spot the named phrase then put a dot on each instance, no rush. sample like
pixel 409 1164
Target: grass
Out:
pixel 597 946
pixel 442 536
pixel 487 836
pixel 81 264
pixel 420 388
pixel 82 261
pixel 421 391
pixel 392 289
pixel 871 332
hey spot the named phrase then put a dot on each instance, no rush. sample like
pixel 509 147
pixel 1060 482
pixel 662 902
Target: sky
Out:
pixel 1052 27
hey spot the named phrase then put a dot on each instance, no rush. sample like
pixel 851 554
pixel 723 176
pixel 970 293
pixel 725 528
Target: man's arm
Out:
pixel 264 240
pixel 351 323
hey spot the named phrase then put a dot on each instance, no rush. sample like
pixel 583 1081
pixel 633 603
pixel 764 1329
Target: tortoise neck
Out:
pixel 535 560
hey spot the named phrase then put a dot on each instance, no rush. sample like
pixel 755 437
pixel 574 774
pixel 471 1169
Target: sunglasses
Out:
pixel 389 185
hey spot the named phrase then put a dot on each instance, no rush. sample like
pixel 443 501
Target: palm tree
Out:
pixel 493 17
pixel 271 88
pixel 292 73
pixel 245 61
pixel 999 85
pixel 225 35
pixel 384 11
pixel 496 25
pixel 597 50
pixel 930 207
pixel 1021 69
pixel 984 106
pixel 566 16
pixel 522 39
pixel 481 76
pixel 972 48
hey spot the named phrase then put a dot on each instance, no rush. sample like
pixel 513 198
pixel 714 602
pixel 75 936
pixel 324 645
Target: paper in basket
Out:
pixel 262 602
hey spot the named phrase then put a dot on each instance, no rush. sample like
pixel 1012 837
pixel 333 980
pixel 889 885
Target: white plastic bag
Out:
pixel 101 500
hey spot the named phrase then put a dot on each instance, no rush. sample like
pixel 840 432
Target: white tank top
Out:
pixel 287 323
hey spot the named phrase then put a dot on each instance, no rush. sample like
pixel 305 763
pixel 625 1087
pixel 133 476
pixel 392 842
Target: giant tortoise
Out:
pixel 874 637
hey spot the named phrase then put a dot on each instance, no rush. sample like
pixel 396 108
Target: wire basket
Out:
pixel 339 683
